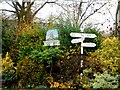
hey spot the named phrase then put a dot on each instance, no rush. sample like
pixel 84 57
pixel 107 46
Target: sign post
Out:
pixel 81 37
pixel 51 38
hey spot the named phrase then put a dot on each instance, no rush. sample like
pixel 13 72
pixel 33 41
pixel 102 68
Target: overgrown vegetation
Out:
pixel 107 57
pixel 104 80
pixel 30 65
pixel 97 40
pixel 65 28
pixel 103 65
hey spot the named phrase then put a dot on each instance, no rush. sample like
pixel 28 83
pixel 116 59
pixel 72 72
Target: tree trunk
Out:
pixel 116 23
pixel 25 22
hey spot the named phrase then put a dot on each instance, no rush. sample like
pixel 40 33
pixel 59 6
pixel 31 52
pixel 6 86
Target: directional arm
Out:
pixel 86 35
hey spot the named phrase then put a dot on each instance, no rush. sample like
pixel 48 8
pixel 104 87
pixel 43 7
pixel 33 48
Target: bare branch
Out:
pixel 41 8
pixel 9 4
pixel 17 3
pixel 16 9
pixel 23 4
pixel 91 14
pixel 110 14
pixel 61 6
pixel 86 10
pixel 15 6
pixel 29 4
pixel 79 11
pixel 8 10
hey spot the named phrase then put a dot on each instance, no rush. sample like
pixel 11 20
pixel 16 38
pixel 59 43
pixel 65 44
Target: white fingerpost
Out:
pixel 81 37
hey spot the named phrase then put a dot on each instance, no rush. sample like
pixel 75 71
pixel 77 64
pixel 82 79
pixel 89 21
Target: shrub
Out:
pixel 8 72
pixel 65 27
pixel 73 51
pixel 27 43
pixel 106 58
pixel 8 40
pixel 104 80
pixel 9 33
pixel 30 74
pixel 97 40
pixel 20 45
pixel 46 56
pixel 69 72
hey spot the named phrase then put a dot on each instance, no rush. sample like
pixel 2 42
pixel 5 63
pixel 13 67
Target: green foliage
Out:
pixel 8 35
pixel 65 28
pixel 48 55
pixel 87 76
pixel 96 40
pixel 104 80
pixel 20 45
pixel 27 43
pixel 8 72
pixel 73 51
pixel 106 58
pixel 69 71
pixel 30 73
pixel 35 62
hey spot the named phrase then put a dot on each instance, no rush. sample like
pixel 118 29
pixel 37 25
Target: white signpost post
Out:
pixel 81 38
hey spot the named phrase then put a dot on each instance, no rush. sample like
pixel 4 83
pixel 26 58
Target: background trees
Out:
pixel 32 65
pixel 25 12
pixel 77 11
pixel 81 11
